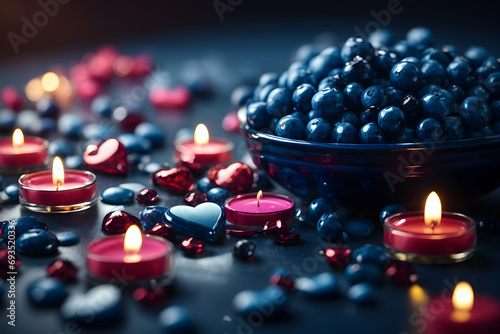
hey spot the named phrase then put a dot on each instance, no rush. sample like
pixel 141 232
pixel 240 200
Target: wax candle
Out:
pixel 58 190
pixel 202 149
pixel 254 210
pixel 462 313
pixel 430 237
pixel 130 257
pixel 22 153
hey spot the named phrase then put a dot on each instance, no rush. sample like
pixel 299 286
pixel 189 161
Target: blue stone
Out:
pixel 153 132
pixel 7 119
pixel 322 285
pixel 47 292
pixel 22 224
pixel 117 195
pixel 366 272
pixel 300 215
pixel 205 221
pixel 97 132
pixel 100 305
pixel 176 320
pixel 102 105
pixel 243 249
pixel 248 301
pixel 37 242
pixel 358 228
pixel 60 148
pixel 151 216
pixel 329 227
pixel 362 293
pixel 47 108
pixel 218 195
pixel 68 238
pixel 135 187
pixel 73 162
pixel 12 191
pixel 204 185
pixel 70 125
pixel 134 143
pixel 372 254
pixel 46 125
pixel 152 167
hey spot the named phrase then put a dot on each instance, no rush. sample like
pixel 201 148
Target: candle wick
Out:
pixel 58 185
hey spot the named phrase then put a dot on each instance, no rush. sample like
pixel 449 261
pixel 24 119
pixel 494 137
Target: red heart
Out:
pixel 179 179
pixel 110 157
pixel 237 178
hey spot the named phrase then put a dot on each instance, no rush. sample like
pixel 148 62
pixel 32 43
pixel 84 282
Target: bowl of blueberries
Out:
pixel 378 120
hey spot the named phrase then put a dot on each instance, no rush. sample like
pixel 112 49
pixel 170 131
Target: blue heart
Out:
pixel 205 221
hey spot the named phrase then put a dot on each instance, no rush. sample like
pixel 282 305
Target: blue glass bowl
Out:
pixel 366 177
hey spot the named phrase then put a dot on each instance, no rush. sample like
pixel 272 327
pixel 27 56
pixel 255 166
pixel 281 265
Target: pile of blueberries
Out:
pixel 379 91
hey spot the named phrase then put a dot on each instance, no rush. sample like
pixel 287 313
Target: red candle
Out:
pixel 462 313
pixel 254 210
pixel 22 152
pixel 202 149
pixel 131 257
pixel 423 238
pixel 57 190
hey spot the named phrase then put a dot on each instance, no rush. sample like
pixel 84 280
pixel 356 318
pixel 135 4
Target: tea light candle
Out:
pixel 430 237
pixel 202 149
pixel 254 210
pixel 22 153
pixel 132 256
pixel 57 191
pixel 463 313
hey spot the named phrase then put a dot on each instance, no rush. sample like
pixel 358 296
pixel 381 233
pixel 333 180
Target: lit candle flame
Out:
pixel 17 138
pixel 57 172
pixel 50 82
pixel 259 196
pixel 132 244
pixel 432 213
pixel 201 135
pixel 463 300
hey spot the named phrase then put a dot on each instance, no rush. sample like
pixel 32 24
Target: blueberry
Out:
pixel 495 110
pixel 436 105
pixel 332 54
pixel 282 80
pixel 492 83
pixel 12 192
pixel 371 133
pixel 332 81
pixel 257 115
pixel 241 95
pixel 457 92
pixel 479 133
pixel 279 102
pixel 268 78
pixel 413 60
pixel 389 210
pixel 302 96
pixel 320 67
pixel 374 96
pixel 420 37
pixel 475 112
pixel 70 125
pixel 459 72
pixel 358 228
pixel 432 72
pixel 453 128
pixel 312 114
pixel 47 292
pixel 243 249
pixel 152 132
pixel 299 77
pixel 352 96
pixel 394 96
pixel 357 70
pixel 405 76
pixel 328 103
pixel 329 226
pixel 479 91
pixel 290 127
pixel 263 93
pixel 404 49
pixel 318 130
pixel 366 272
pixel 357 46
pixel 428 89
pixel 407 135
pixel 476 55
pixel 218 195
pixel 391 120
pixel 102 106
pixel 381 37
pixel 349 117
pixel 369 115
pixel 483 71
pixel 370 254
pixel 362 293
pixel 385 61
pixel 496 127
pixel 306 52
pixel 301 116
pixel 336 71
pixel 450 51
pixel 344 132
pixel 429 129
pixel 47 108
pixel 436 55
pixel 317 208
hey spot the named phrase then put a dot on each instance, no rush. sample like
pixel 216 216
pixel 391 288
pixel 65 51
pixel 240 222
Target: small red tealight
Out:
pixel 253 210
pixel 130 257
pixel 202 149
pixel 461 313
pixel 22 153
pixel 57 191
pixel 430 237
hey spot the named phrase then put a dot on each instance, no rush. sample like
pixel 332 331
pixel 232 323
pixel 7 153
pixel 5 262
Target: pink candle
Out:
pixel 22 152
pixel 202 149
pixel 249 212
pixel 107 259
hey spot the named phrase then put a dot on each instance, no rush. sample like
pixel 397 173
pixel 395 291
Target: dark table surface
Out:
pixel 207 285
